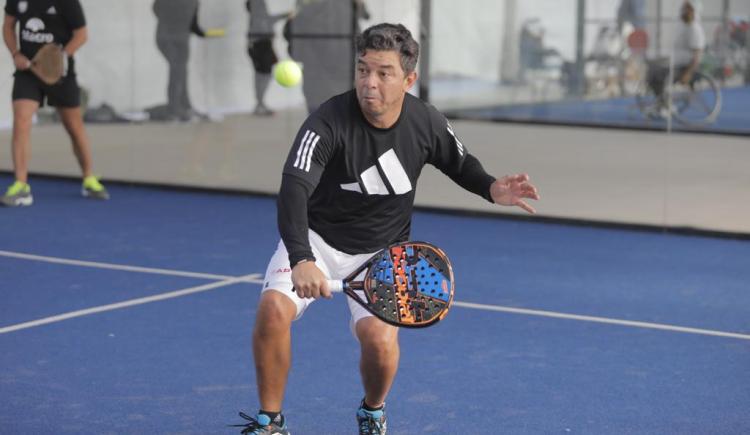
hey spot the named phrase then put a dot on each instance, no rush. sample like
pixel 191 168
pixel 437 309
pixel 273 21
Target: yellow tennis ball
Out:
pixel 287 73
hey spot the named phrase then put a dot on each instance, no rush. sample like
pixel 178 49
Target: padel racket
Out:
pixel 408 284
pixel 49 63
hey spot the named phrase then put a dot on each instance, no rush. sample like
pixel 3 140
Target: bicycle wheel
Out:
pixel 697 103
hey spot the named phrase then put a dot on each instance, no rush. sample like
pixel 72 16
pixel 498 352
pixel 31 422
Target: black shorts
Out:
pixel 65 93
pixel 262 54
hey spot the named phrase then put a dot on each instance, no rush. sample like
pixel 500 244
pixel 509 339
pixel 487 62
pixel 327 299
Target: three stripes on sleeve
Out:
pixel 305 150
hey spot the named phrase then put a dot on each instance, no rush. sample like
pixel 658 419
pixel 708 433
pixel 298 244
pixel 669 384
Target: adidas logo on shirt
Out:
pixel 373 183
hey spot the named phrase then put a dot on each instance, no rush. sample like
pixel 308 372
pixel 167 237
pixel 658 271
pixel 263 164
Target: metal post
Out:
pixel 509 53
pixel 353 34
pixel 658 28
pixel 580 57
pixel 425 25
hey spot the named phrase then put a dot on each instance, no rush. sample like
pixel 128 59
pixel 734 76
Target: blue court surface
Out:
pixel 128 317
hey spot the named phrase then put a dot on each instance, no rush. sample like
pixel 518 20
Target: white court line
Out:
pixel 253 278
pixel 602 320
pixel 98 265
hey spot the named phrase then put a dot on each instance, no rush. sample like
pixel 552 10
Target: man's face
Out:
pixel 381 83
pixel 687 13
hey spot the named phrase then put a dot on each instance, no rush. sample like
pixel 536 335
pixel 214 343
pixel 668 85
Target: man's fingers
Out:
pixel 525 206
pixel 325 291
pixel 530 191
pixel 525 190
pixel 315 291
pixel 311 292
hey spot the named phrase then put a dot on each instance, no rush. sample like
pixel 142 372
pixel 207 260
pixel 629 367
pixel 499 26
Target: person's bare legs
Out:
pixel 272 348
pixel 23 114
pixel 72 119
pixel 379 359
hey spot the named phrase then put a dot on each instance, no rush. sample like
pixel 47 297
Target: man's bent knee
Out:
pixel 275 313
pixel 376 335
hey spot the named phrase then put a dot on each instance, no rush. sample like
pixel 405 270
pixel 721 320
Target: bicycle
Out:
pixel 695 104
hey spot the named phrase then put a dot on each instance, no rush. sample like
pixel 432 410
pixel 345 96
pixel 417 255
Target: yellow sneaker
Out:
pixel 17 195
pixel 93 189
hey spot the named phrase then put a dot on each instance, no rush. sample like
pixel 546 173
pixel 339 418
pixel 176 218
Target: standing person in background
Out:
pixel 347 191
pixel 176 20
pixel 41 22
pixel 320 38
pixel 260 49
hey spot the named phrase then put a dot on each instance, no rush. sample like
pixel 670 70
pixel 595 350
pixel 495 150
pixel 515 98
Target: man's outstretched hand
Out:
pixel 512 189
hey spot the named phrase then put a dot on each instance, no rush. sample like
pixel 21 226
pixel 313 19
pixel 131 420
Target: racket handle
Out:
pixel 336 285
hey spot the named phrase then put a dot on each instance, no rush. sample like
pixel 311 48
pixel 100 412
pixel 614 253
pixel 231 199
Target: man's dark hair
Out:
pixel 391 37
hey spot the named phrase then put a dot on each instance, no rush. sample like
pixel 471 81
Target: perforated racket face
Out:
pixel 410 284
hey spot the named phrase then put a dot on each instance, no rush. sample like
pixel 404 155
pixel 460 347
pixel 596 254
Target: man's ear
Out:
pixel 409 81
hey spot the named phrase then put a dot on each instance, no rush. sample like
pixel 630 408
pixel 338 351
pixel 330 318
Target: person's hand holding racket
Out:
pixel 21 62
pixel 309 281
pixel 512 189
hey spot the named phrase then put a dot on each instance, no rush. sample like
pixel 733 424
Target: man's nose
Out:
pixel 369 80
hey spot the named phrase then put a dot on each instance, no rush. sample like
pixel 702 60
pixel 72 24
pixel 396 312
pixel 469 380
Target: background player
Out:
pixel 41 22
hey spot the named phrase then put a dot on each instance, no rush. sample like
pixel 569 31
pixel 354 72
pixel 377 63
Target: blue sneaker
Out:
pixel 371 422
pixel 262 425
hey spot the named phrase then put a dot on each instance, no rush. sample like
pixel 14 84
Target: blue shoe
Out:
pixel 262 425
pixel 371 422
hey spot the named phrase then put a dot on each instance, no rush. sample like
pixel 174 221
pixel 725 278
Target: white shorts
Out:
pixel 333 263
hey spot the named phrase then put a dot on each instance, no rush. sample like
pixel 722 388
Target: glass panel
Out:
pixel 590 63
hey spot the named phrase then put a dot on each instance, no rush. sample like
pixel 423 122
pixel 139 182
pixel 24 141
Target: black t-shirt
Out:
pixel 363 179
pixel 45 21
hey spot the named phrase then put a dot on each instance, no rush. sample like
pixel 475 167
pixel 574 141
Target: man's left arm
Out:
pixel 80 36
pixel 453 159
pixel 194 26
pixel 72 13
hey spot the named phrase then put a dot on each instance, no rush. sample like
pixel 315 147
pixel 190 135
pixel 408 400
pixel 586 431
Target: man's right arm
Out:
pixel 303 169
pixel 9 33
pixel 307 278
pixel 11 42
pixel 292 218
